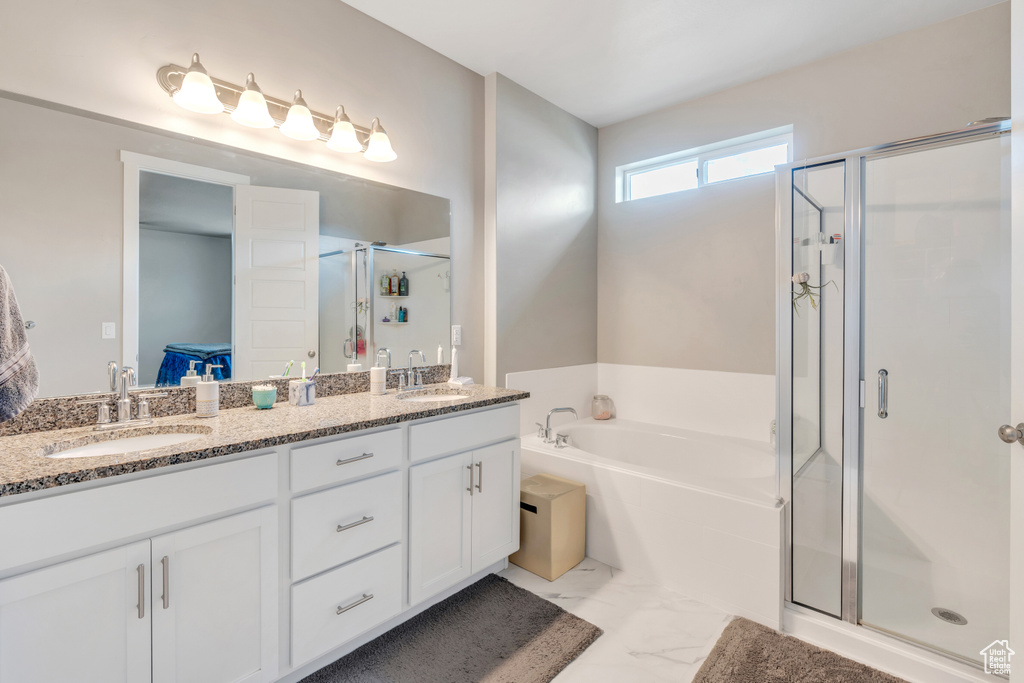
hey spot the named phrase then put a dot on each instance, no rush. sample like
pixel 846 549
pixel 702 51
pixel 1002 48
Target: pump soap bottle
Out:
pixel 208 394
pixel 191 377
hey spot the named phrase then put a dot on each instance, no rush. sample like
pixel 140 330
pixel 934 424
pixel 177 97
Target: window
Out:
pixel 727 160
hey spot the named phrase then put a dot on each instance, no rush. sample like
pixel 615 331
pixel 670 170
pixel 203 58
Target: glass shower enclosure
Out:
pixel 894 337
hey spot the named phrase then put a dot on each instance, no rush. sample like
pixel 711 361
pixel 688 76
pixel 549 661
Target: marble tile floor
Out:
pixel 651 633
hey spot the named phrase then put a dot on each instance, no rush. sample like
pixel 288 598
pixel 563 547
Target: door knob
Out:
pixel 311 353
pixel 1012 434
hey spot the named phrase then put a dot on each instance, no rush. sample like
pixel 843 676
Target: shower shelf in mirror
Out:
pixel 393 296
pixel 392 322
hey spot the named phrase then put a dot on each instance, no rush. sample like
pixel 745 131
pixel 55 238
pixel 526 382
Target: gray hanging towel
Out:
pixel 19 377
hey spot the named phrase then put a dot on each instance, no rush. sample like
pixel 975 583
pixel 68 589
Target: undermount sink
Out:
pixel 130 441
pixel 417 397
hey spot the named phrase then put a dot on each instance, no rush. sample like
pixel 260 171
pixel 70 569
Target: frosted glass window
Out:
pixel 751 162
pixel 674 178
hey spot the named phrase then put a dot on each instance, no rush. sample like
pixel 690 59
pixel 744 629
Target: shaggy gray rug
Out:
pixel 492 631
pixel 752 653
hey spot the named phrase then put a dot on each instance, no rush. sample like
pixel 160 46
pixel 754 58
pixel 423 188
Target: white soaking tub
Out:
pixel 694 511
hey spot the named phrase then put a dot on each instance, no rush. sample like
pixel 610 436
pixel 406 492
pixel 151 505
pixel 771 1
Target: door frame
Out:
pixel 134 164
pixel 852 371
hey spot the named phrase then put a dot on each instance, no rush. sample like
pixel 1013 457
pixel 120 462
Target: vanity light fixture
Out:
pixel 196 90
pixel 298 125
pixel 252 107
pixel 343 134
pixel 378 147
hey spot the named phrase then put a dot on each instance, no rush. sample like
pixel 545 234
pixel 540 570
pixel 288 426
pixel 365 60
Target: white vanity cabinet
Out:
pixel 86 620
pixel 463 508
pixel 198 604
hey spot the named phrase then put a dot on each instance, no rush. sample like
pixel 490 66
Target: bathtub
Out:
pixel 692 511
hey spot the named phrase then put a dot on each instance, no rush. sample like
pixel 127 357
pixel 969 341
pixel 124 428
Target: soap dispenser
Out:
pixel 191 377
pixel 208 394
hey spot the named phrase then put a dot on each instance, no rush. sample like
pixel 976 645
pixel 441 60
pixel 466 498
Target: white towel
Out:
pixel 19 377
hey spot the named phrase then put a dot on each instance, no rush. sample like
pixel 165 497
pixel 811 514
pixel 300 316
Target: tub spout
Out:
pixel 547 426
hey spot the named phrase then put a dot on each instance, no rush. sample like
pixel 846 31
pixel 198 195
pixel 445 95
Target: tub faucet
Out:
pixel 547 426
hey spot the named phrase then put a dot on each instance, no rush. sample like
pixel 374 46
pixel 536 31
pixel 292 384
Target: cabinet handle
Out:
pixel 342 610
pixel 470 489
pixel 353 525
pixel 141 569
pixel 364 456
pixel 480 477
pixel 166 562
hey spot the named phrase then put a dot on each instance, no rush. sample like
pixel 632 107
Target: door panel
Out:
pixel 218 623
pixel 277 234
pixel 78 621
pixel 495 508
pixel 440 509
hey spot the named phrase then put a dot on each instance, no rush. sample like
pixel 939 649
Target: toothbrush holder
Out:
pixel 301 392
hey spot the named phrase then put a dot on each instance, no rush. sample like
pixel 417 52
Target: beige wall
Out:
pixel 542 180
pixel 687 280
pixel 102 56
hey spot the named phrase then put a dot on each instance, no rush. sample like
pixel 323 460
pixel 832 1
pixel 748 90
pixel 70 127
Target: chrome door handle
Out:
pixel 1011 434
pixel 364 456
pixel 166 562
pixel 353 525
pixel 366 596
pixel 883 394
pixel 141 569
pixel 480 477
pixel 470 489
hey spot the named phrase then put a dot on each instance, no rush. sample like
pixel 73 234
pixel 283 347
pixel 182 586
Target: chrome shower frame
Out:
pixel 852 457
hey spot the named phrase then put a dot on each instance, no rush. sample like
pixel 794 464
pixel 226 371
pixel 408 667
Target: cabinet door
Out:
pixel 78 621
pixel 215 601
pixel 495 503
pixel 439 525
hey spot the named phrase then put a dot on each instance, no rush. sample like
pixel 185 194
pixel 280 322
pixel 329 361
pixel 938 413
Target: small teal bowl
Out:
pixel 264 398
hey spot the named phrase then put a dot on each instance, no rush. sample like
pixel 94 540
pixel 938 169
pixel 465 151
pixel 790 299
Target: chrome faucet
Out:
pixel 415 377
pixel 124 402
pixel 546 429
pixel 386 351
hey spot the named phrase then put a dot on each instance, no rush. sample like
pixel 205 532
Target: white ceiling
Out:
pixel 193 207
pixel 606 61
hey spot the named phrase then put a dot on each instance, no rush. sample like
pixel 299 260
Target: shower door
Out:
pixel 935 491
pixel 895 373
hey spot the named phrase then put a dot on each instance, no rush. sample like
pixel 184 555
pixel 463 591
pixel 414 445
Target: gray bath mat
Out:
pixel 752 653
pixel 492 631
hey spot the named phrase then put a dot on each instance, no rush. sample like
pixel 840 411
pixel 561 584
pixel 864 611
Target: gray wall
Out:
pixel 545 230
pixel 108 55
pixel 184 294
pixel 687 280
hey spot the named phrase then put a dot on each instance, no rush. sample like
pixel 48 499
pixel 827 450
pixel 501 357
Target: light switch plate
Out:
pixel 456 335
pixel 109 331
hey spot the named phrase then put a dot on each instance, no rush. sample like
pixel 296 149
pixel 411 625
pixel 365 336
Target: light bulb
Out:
pixel 252 107
pixel 378 147
pixel 343 135
pixel 299 125
pixel 197 92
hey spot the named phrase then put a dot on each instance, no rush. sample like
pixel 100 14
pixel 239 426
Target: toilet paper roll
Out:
pixel 378 381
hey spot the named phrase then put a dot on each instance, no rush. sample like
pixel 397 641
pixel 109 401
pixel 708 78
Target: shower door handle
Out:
pixel 883 394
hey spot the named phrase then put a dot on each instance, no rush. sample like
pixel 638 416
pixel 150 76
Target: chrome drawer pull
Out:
pixel 364 456
pixel 141 569
pixel 470 489
pixel 342 610
pixel 167 581
pixel 480 477
pixel 353 525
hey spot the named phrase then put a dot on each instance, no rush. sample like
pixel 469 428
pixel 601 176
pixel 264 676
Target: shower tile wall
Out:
pixel 935 489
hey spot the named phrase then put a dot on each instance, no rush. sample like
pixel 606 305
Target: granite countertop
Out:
pixel 24 467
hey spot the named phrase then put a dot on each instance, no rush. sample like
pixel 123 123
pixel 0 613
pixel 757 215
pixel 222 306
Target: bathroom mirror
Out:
pixel 124 242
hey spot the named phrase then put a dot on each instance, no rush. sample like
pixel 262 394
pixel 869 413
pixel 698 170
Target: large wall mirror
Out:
pixel 129 244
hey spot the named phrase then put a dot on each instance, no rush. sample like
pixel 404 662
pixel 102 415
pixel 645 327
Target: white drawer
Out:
pixel 333 462
pixel 317 626
pixel 76 520
pixel 462 433
pixel 334 526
